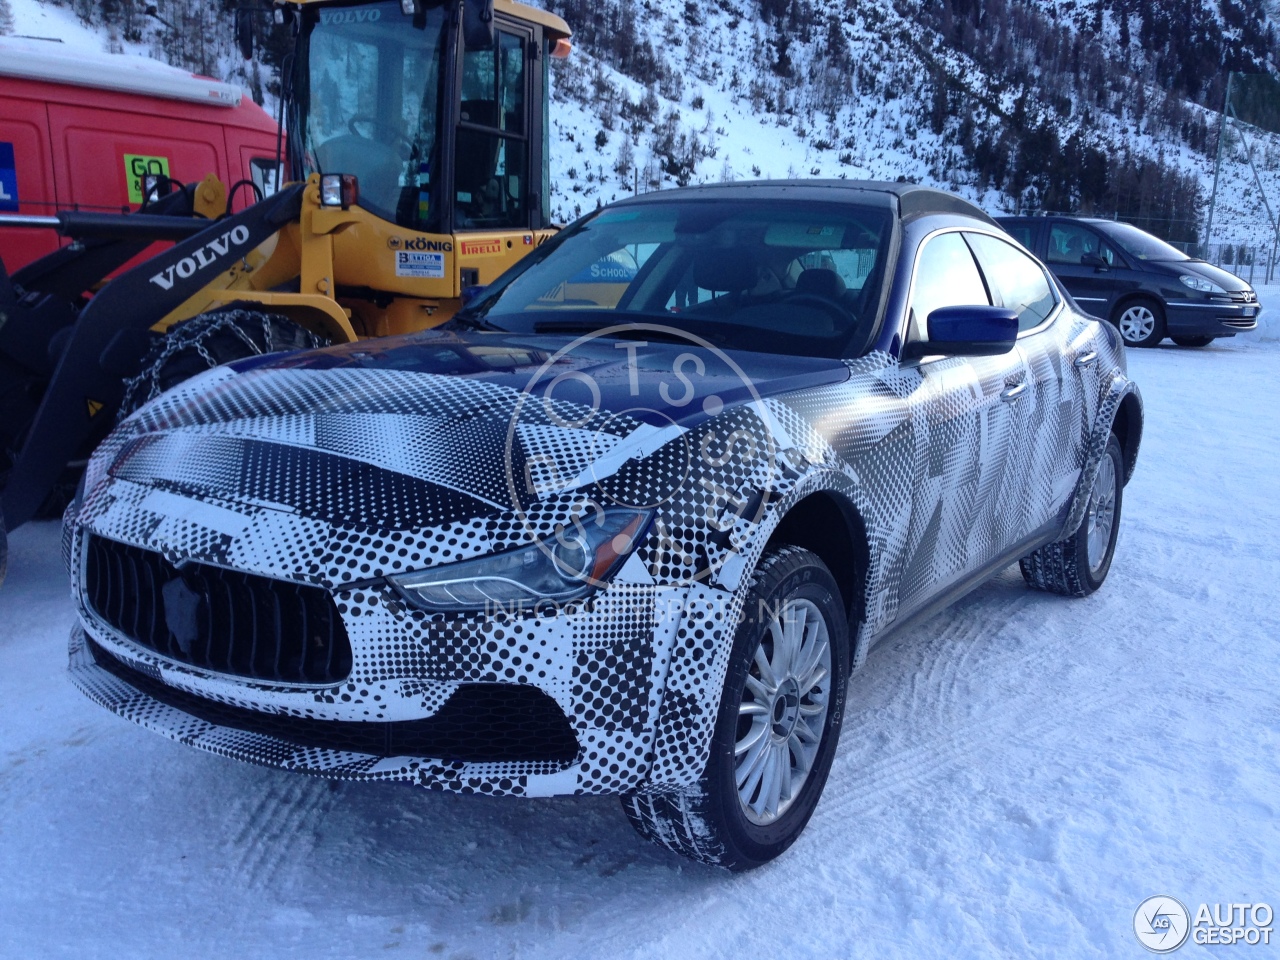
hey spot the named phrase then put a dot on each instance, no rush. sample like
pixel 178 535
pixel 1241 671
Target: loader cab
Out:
pixel 444 125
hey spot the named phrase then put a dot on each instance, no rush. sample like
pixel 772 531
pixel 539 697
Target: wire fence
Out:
pixel 1254 263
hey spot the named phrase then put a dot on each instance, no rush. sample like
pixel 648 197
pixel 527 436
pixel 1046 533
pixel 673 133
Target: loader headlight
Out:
pixel 570 565
pixel 339 190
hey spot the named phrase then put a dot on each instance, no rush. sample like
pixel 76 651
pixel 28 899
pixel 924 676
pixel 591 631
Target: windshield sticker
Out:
pixel 424 266
pixel 8 179
pixel 137 166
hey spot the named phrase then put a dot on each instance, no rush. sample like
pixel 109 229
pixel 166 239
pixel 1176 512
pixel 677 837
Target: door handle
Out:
pixel 1086 359
pixel 1011 394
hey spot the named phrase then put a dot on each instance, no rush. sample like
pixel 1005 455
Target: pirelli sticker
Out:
pixel 419 265
pixel 480 248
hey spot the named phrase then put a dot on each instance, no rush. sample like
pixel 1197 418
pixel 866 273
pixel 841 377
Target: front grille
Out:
pixel 1240 323
pixel 216 619
pixel 480 723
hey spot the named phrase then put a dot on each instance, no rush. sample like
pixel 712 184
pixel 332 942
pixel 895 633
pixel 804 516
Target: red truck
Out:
pixel 79 131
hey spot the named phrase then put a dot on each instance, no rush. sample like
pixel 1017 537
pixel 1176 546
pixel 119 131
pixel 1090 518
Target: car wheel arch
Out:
pixel 830 525
pixel 1127 426
pixel 1121 405
pixel 1125 301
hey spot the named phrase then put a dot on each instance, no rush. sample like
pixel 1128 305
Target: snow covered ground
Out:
pixel 1015 777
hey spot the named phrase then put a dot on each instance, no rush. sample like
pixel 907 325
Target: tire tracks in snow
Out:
pixel 278 827
pixel 927 732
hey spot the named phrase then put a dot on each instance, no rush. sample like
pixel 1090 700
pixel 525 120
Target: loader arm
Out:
pixel 82 396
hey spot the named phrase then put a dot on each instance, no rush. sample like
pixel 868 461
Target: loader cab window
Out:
pixel 369 84
pixel 492 164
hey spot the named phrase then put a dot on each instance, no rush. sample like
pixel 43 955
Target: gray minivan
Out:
pixel 1147 288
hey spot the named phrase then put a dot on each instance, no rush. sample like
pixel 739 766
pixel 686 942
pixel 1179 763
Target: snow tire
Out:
pixel 707 822
pixel 209 340
pixel 1063 566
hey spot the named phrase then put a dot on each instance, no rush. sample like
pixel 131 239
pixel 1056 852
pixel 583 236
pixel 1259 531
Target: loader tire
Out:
pixel 209 340
pixel 20 396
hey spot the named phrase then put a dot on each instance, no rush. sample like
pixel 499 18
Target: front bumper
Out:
pixel 1210 318
pixel 132 694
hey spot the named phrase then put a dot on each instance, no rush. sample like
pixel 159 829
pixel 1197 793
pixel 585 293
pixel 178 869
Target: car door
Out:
pixel 1045 437
pixel 1085 262
pixel 961 409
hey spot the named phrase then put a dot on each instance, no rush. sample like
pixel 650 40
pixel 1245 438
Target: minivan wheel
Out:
pixel 1140 322
pixel 1077 566
pixel 777 727
pixel 1192 341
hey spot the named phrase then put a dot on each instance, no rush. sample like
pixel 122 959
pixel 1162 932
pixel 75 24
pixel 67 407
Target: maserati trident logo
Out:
pixel 1161 924
pixel 182 609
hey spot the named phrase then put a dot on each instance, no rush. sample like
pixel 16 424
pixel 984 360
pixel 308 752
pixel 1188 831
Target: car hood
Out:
pixel 436 428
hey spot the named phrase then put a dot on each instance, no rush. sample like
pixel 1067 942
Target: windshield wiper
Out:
pixel 473 321
pixel 625 333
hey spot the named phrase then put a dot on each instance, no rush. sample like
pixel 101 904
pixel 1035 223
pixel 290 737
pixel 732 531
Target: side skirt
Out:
pixel 930 608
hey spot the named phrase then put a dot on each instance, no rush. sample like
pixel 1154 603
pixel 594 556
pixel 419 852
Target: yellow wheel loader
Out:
pixel 418 167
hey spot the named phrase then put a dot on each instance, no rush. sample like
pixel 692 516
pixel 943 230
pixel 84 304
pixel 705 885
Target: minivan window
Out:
pixel 1024 233
pixel 946 276
pixel 1070 243
pixel 1016 281
pixel 1141 245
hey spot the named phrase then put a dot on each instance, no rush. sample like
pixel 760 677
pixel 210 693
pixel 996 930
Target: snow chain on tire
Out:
pixel 210 340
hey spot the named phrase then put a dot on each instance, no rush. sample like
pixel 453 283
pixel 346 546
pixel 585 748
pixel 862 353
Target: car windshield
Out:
pixel 1142 245
pixel 793 278
pixel 369 88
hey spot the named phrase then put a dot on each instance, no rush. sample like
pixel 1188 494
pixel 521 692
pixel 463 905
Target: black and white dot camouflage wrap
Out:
pixel 338 475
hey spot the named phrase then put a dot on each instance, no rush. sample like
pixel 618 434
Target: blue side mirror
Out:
pixel 472 293
pixel 977 331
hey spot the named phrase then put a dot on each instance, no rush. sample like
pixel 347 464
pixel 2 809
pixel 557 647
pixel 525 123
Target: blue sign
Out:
pixel 8 179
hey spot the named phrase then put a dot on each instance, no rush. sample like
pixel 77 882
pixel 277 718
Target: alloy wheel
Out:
pixel 783 711
pixel 1137 323
pixel 1102 513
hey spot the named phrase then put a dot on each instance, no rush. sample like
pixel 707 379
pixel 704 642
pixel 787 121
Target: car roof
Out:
pixel 909 200
pixel 1036 218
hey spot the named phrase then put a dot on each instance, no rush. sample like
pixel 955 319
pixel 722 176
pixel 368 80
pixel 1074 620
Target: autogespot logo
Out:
pixel 1161 924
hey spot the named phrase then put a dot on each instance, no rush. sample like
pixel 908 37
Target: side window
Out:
pixel 1016 281
pixel 946 276
pixel 492 165
pixel 1024 233
pixel 1070 242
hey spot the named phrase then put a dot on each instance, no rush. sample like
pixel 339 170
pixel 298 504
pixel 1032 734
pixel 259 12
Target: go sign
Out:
pixel 137 166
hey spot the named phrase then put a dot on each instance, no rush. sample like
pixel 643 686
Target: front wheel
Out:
pixel 208 340
pixel 777 727
pixel 1192 341
pixel 1140 322
pixel 1077 566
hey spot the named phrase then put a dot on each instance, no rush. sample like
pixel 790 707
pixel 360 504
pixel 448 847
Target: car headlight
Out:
pixel 1201 284
pixel 570 565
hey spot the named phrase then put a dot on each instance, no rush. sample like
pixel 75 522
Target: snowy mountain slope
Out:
pixel 890 90
pixel 1017 104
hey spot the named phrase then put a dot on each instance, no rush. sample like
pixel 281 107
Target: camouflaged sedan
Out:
pixel 623 525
